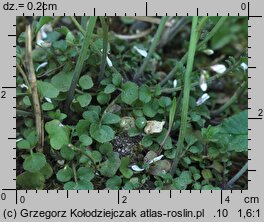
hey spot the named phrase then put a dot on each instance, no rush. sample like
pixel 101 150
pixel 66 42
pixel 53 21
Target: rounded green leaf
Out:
pixel 144 94
pixel 97 156
pixel 106 148
pixel 32 138
pixel 110 166
pixel 27 101
pixel 86 140
pixel 84 185
pixel 84 99
pixel 24 144
pixel 46 89
pixel 34 162
pixel 30 181
pixel 129 93
pixel 126 172
pixel 67 152
pixel 110 118
pixel 80 185
pixel 151 109
pixel 103 98
pixel 91 116
pixel 82 127
pixel 58 134
pixel 116 79
pixel 114 183
pixel 109 89
pixel 85 173
pixel 164 101
pixel 46 171
pixel 69 185
pixel 195 149
pixel 86 82
pixel 64 174
pixel 101 133
pixel 183 180
pixel 141 122
pixel 147 141
pixel 62 81
pixel 47 106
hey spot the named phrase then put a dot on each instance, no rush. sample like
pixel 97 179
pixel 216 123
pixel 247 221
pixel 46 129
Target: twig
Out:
pixel 105 46
pixel 21 71
pixel 235 96
pixel 33 85
pixel 135 36
pixel 202 43
pixel 231 182
pixel 80 62
pixel 186 94
pixel 150 20
pixel 152 48
pixel 74 173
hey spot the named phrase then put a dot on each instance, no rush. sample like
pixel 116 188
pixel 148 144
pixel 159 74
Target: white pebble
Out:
pixel 154 126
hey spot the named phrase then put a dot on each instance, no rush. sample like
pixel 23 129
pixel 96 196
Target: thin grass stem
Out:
pixel 186 93
pixel 105 46
pixel 153 47
pixel 80 62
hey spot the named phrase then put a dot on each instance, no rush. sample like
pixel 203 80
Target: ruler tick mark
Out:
pixel 118 196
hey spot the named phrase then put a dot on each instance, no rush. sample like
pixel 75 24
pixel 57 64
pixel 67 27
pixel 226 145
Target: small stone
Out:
pixel 154 126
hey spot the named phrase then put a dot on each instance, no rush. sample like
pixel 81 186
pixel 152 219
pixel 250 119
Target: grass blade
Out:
pixel 80 62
